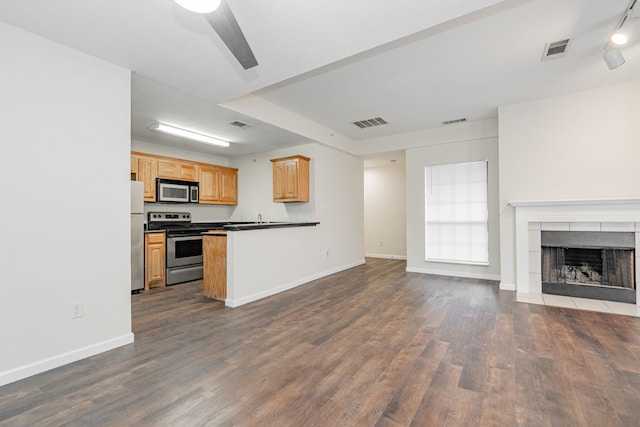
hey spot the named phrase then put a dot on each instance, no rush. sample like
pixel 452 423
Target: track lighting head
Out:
pixel 613 57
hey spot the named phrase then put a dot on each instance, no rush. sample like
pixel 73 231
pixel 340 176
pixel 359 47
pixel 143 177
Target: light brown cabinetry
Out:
pixel 214 281
pixel 134 168
pixel 229 186
pixel 147 173
pixel 218 185
pixel 154 260
pixel 176 170
pixel 291 179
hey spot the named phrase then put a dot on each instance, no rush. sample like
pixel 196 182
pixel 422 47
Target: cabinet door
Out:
pixel 134 168
pixel 167 169
pixel 209 178
pixel 147 173
pixel 187 172
pixel 279 174
pixel 154 260
pixel 229 186
pixel 176 170
pixel 291 179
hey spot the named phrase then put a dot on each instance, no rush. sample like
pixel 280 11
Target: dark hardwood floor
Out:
pixel 371 346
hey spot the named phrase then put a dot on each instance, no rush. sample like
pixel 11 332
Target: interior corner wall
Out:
pixel 385 225
pixel 336 201
pixel 66 219
pixel 580 146
pixel 482 148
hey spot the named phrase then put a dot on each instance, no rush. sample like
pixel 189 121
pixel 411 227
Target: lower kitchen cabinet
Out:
pixel 154 260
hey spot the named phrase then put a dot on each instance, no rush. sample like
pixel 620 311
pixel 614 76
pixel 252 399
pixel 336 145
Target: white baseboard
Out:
pixel 464 274
pixel 507 286
pixel 386 256
pixel 245 300
pixel 53 362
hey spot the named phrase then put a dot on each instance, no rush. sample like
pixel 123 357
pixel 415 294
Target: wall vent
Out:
pixel 240 124
pixel 378 121
pixel 450 122
pixel 556 49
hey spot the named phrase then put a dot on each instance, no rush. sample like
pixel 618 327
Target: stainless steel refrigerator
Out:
pixel 137 235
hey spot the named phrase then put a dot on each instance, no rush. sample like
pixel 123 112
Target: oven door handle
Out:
pixel 182 238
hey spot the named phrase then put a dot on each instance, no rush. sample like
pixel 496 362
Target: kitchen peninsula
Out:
pixel 247 262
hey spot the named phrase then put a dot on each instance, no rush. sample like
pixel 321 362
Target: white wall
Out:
pixel 199 213
pixel 482 148
pixel 339 206
pixel 65 123
pixel 336 195
pixel 255 187
pixel 385 225
pixel 580 146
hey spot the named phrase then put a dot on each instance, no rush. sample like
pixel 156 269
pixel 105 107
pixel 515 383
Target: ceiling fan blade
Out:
pixel 225 24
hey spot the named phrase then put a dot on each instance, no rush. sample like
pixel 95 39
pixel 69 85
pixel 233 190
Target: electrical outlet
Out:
pixel 380 243
pixel 327 253
pixel 76 310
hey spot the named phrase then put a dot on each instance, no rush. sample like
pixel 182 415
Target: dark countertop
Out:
pixel 265 225
pixel 238 226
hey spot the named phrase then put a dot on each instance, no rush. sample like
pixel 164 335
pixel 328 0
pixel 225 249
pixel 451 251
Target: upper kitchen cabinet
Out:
pixel 147 173
pixel 291 179
pixel 176 170
pixel 134 168
pixel 218 185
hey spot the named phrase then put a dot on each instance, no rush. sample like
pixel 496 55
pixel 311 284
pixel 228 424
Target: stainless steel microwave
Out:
pixel 175 191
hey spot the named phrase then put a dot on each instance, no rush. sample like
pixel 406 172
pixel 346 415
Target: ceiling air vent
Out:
pixel 240 124
pixel 450 122
pixel 362 124
pixel 555 50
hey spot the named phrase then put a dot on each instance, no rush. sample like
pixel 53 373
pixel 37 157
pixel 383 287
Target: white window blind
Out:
pixel 456 214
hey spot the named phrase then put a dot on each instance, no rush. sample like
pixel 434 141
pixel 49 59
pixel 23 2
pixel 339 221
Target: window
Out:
pixel 456 215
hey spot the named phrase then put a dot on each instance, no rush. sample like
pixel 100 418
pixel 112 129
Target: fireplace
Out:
pixel 595 265
pixel 599 215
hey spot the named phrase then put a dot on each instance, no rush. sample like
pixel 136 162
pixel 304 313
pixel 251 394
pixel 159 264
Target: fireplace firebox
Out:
pixel 596 265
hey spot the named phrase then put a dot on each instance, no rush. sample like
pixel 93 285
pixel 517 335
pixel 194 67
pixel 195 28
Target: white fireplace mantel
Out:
pixel 609 214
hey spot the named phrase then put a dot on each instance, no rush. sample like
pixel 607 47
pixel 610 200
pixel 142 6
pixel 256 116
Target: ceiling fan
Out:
pixel 221 19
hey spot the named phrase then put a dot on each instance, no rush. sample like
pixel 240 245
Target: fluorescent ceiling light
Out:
pixel 199 6
pixel 183 133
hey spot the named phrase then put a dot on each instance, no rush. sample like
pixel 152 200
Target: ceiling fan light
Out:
pixel 184 133
pixel 199 6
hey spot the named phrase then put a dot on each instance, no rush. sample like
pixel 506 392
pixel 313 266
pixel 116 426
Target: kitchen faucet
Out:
pixel 259 218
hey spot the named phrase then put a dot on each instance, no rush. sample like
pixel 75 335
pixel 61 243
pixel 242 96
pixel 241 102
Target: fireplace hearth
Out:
pixel 596 265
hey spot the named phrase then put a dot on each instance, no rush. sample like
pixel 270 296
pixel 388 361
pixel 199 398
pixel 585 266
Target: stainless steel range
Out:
pixel 184 244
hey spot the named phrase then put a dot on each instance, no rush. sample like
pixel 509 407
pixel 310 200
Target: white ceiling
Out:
pixel 414 63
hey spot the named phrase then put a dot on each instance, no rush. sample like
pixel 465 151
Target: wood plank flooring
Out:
pixel 370 346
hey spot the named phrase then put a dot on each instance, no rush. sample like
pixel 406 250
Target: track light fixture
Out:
pixel 184 133
pixel 612 55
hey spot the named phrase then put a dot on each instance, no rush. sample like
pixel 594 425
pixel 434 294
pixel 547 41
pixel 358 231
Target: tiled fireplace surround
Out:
pixel 532 217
